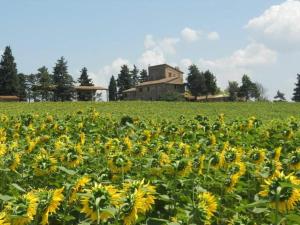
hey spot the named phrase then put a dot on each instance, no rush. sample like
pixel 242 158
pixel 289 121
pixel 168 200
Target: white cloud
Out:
pixel 149 41
pixel 168 45
pixel 151 57
pixel 279 24
pixel 239 62
pixel 185 63
pixel 102 76
pixel 213 36
pixel 190 35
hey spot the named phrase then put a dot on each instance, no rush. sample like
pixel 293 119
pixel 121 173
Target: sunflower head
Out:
pixel 280 192
pixel 119 163
pixel 97 201
pixel 45 164
pixel 23 209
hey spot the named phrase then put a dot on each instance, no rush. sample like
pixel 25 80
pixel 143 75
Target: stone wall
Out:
pixel 163 71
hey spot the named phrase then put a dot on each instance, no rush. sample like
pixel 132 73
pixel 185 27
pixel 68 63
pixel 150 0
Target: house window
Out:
pixel 170 74
pixel 140 89
pixel 148 89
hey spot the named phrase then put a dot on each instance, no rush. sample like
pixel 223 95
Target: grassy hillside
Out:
pixel 162 110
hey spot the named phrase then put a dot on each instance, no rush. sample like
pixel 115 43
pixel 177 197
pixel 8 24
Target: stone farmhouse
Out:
pixel 163 80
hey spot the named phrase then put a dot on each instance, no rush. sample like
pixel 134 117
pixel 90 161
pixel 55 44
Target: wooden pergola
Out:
pixel 91 89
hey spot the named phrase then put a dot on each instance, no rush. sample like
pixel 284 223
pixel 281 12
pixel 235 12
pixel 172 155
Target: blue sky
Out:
pixel 233 37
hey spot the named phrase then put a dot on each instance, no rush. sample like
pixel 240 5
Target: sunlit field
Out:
pixel 149 163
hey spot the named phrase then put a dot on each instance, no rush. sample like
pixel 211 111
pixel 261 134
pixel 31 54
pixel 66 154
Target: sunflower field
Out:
pixel 88 168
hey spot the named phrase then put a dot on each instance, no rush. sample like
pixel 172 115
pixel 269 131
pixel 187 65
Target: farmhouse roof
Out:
pixel 89 88
pixel 169 80
pixel 166 65
pixel 9 97
pixel 130 90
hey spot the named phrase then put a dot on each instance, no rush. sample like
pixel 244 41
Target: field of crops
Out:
pixel 91 166
pixel 162 110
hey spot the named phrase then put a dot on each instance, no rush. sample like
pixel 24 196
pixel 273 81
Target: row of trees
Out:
pixel 41 86
pixel 126 79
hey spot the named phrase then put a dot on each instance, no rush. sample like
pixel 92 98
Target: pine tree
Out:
pixel 44 83
pixel 112 89
pixel 143 76
pixel 210 83
pixel 124 81
pixel 62 81
pixel 296 95
pixel 22 87
pixel 9 82
pixel 233 89
pixel 134 73
pixel 196 81
pixel 84 80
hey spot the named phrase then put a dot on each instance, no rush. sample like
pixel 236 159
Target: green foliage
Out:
pixel 44 84
pixel 233 89
pixel 63 82
pixel 172 96
pixel 112 89
pixel 134 74
pixel 210 83
pixel 9 82
pixel 248 89
pixel 84 80
pixel 296 94
pixel 196 81
pixel 124 81
pixel 143 76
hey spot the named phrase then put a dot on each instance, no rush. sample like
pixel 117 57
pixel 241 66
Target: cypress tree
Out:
pixel 84 80
pixel 62 81
pixel 296 95
pixel 124 81
pixel 134 73
pixel 143 76
pixel 44 83
pixel 112 89
pixel 210 83
pixel 9 81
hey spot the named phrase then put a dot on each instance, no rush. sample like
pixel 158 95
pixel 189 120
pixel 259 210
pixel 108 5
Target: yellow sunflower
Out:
pixel 3 219
pixel 201 164
pixel 98 200
pixel 294 160
pixel 231 182
pixel 258 156
pixel 44 164
pixel 22 209
pixel 11 160
pixel 50 202
pixel 205 209
pixel 139 198
pixel 72 155
pixel 3 149
pixel 119 163
pixel 281 196
pixel 78 186
pixel 210 201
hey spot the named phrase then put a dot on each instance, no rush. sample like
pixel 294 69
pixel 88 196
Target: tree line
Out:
pixel 43 85
pixel 59 85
